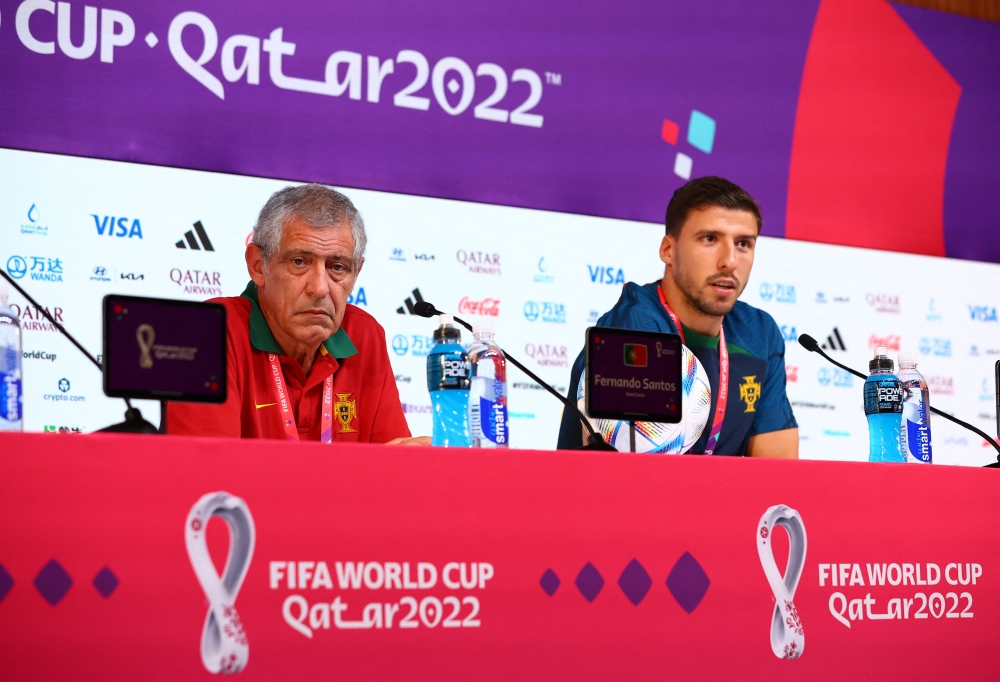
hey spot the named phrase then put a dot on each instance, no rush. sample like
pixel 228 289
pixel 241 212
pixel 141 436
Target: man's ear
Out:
pixel 255 264
pixel 667 247
pixel 361 263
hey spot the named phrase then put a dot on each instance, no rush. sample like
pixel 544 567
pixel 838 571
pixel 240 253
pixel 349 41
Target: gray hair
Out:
pixel 318 205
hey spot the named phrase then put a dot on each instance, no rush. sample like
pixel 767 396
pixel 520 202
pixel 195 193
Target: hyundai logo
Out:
pixel 100 272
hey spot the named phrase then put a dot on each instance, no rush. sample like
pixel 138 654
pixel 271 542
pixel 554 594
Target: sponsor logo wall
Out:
pixel 542 278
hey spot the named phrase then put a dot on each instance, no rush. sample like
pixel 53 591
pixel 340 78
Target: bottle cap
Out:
pixel 908 359
pixel 881 360
pixel 480 327
pixel 447 331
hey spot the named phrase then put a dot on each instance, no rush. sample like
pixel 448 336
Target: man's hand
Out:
pixel 777 444
pixel 419 440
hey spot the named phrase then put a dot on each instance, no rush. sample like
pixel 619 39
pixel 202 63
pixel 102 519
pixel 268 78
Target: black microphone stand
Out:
pixel 594 440
pixel 134 422
pixel 810 344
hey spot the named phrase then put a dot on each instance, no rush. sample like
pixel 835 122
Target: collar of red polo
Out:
pixel 339 345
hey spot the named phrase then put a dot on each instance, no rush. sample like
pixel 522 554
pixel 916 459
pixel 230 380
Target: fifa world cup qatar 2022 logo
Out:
pixel 787 635
pixel 224 646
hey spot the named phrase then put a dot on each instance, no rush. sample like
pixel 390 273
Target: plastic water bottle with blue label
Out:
pixel 11 401
pixel 884 409
pixel 448 374
pixel 915 432
pixel 488 395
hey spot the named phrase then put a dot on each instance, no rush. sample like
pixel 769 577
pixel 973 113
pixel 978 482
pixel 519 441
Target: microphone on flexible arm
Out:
pixel 811 345
pixel 134 422
pixel 594 440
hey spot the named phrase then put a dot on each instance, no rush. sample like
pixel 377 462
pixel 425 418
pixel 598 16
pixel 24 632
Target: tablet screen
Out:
pixel 162 349
pixel 633 375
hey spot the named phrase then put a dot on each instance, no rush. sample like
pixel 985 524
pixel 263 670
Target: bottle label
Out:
pixel 10 398
pixel 493 421
pixel 448 371
pixel 883 396
pixel 918 432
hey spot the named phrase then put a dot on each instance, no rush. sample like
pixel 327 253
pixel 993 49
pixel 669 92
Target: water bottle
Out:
pixel 10 366
pixel 448 372
pixel 884 409
pixel 488 394
pixel 915 433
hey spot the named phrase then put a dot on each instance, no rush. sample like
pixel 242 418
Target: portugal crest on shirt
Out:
pixel 750 392
pixel 346 411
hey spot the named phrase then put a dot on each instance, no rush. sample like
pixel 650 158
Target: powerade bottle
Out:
pixel 448 373
pixel 884 409
pixel 488 395
pixel 11 415
pixel 915 434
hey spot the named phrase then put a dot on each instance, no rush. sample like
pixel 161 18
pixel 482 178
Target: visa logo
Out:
pixel 982 313
pixel 117 227
pixel 788 333
pixel 600 274
pixel 358 298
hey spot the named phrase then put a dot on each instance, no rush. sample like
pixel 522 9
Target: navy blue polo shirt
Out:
pixel 756 356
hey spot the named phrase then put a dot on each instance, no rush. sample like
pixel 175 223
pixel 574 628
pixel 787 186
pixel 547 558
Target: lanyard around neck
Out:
pixel 288 415
pixel 720 403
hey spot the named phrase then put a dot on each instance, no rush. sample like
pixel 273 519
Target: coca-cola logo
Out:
pixel 488 307
pixel 791 374
pixel 890 341
pixel 546 355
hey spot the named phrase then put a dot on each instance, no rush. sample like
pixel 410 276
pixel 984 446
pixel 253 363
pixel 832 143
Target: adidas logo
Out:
pixel 410 302
pixel 192 241
pixel 834 341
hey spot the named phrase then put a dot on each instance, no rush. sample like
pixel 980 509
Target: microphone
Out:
pixel 134 422
pixel 594 440
pixel 811 345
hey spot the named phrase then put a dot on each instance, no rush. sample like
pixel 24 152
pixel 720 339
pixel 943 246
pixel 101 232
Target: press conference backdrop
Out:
pixel 75 229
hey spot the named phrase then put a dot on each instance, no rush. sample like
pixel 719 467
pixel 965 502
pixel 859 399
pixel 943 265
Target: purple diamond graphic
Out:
pixel 688 582
pixel 589 582
pixel 635 582
pixel 106 582
pixel 6 582
pixel 53 582
pixel 550 582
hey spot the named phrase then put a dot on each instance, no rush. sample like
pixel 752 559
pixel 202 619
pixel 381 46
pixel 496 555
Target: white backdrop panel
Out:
pixel 545 276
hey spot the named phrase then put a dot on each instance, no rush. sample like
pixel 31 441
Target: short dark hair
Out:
pixel 705 192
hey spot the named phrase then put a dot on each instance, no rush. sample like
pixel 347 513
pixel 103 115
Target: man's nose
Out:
pixel 727 257
pixel 317 283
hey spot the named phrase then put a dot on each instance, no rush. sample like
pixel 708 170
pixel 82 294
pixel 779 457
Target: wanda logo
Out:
pixel 488 307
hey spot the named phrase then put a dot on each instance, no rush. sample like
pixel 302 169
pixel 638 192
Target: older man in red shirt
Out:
pixel 303 364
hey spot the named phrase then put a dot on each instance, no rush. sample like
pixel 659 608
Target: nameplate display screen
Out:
pixel 161 349
pixel 633 375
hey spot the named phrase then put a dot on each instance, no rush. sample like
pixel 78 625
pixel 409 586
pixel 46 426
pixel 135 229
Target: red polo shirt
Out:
pixel 364 387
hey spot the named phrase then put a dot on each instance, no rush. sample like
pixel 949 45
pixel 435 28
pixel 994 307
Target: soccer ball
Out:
pixel 654 437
